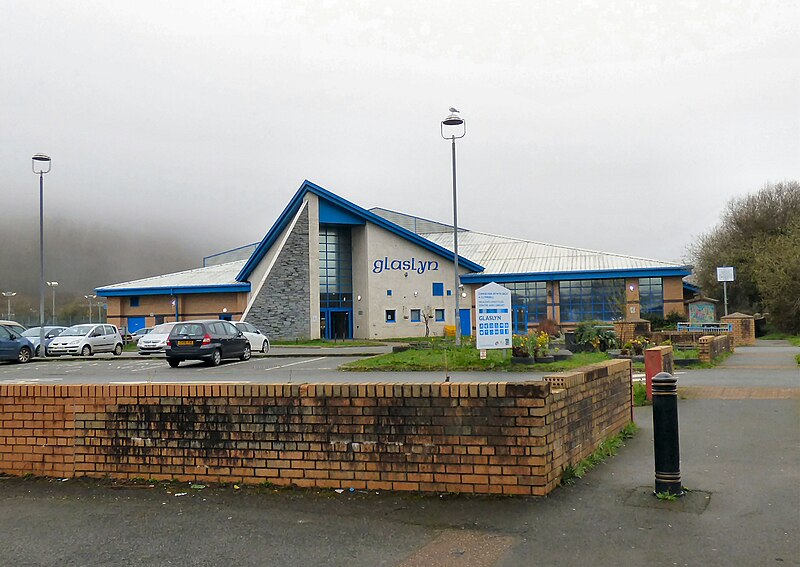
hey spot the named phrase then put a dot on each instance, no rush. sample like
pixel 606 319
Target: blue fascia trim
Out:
pixel 583 275
pixel 176 290
pixel 294 205
pixel 691 287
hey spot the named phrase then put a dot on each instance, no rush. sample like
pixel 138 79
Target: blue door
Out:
pixel 134 324
pixel 466 323
pixel 519 322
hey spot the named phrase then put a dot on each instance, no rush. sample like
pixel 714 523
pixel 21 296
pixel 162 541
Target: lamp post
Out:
pixel 8 295
pixel 53 286
pixel 40 165
pixel 454 122
pixel 99 308
pixel 90 297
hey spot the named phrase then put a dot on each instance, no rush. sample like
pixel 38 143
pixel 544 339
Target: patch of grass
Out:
pixel 465 358
pixel 640 395
pixel 130 347
pixel 797 358
pixel 684 354
pixel 669 497
pixel 606 449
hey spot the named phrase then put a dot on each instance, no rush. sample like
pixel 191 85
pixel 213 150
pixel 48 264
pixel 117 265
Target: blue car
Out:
pixel 13 346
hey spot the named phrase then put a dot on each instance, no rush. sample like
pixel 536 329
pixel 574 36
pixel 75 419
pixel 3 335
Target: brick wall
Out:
pixel 505 438
pixel 744 328
pixel 712 346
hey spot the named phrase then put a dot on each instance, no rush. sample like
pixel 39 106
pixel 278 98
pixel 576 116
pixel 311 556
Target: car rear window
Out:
pixel 161 329
pixel 188 329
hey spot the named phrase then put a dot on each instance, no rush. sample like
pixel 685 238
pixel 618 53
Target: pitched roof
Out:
pixel 503 255
pixel 217 278
pixel 351 208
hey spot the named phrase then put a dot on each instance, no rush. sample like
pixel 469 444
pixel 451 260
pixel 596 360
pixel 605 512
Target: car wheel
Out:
pixel 246 354
pixel 265 347
pixel 86 350
pixel 118 350
pixel 38 351
pixel 24 355
pixel 216 358
pixel 173 362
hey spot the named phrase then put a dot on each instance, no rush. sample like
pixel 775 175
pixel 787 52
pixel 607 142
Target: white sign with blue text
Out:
pixel 493 311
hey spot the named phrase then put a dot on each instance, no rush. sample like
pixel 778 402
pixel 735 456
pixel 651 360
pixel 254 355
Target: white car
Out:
pixel 85 340
pixel 155 341
pixel 258 340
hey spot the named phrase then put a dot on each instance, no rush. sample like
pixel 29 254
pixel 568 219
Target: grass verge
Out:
pixel 640 395
pixel 464 358
pixel 606 449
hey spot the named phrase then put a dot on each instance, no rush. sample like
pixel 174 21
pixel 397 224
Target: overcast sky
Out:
pixel 615 126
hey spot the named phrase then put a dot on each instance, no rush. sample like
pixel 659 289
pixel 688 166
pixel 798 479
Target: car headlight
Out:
pixel 73 342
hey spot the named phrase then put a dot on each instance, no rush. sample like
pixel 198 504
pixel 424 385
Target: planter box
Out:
pixel 522 360
pixel 545 359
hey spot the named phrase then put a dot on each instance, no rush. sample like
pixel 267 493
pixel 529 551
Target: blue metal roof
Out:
pixel 294 205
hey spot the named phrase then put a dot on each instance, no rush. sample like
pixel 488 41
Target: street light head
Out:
pixel 41 164
pixel 9 293
pixel 453 120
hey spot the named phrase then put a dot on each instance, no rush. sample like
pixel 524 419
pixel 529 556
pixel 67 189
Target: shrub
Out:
pixel 550 327
pixel 592 333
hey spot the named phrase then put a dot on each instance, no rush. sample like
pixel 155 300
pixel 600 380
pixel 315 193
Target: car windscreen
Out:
pixel 34 332
pixel 77 331
pixel 161 329
pixel 188 329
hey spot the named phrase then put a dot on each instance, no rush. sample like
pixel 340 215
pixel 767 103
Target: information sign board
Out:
pixel 725 274
pixel 493 310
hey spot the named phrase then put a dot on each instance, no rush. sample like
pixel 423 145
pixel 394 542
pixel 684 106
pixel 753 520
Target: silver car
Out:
pixel 258 340
pixel 155 341
pixel 33 335
pixel 86 340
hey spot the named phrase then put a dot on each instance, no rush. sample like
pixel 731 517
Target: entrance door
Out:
pixel 134 324
pixel 336 324
pixel 465 322
pixel 520 316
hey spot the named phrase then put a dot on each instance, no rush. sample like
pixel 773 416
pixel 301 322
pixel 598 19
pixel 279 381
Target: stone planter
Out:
pixel 562 354
pixel 545 359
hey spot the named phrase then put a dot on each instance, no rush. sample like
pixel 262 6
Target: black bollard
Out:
pixel 665 435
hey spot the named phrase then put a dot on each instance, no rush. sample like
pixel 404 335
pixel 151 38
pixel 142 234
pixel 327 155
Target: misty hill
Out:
pixel 83 255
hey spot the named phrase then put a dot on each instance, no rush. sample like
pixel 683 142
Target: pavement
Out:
pixel 740 460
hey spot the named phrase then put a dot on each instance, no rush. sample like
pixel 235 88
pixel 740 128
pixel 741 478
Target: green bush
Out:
pixel 592 333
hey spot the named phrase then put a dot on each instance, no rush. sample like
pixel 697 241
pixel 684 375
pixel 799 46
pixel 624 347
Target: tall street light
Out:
pixel 90 297
pixel 8 295
pixel 53 286
pixel 455 124
pixel 41 165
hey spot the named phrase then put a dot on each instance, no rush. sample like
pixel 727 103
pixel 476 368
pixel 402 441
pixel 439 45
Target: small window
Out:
pixel 415 316
pixel 440 315
pixel 388 292
pixel 438 289
pixel 391 316
pixel 134 302
pixel 449 292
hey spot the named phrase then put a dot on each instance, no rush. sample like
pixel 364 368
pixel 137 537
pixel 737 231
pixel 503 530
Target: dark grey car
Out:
pixel 211 341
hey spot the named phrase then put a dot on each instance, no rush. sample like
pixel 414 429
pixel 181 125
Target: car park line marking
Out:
pixel 31 380
pixel 295 363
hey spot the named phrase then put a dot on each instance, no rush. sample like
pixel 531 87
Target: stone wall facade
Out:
pixel 497 437
pixel 282 308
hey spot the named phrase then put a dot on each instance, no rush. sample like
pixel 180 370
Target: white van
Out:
pixel 85 340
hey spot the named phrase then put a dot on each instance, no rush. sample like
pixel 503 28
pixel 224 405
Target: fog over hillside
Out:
pixel 81 255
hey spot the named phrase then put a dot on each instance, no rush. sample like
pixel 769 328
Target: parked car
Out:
pixel 13 325
pixel 50 333
pixel 258 340
pixel 138 334
pixel 210 341
pixel 13 346
pixel 86 340
pixel 156 340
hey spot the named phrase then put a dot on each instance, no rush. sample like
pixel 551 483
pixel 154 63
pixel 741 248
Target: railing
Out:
pixel 708 328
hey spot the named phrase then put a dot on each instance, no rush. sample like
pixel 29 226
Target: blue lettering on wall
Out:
pixel 411 265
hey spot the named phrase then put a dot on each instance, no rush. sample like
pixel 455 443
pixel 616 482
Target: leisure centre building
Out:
pixel 330 269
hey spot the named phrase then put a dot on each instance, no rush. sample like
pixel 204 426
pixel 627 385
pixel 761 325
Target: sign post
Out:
pixel 725 274
pixel 493 310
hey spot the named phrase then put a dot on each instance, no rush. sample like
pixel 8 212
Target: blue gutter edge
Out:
pixel 294 205
pixel 173 290
pixel 577 275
